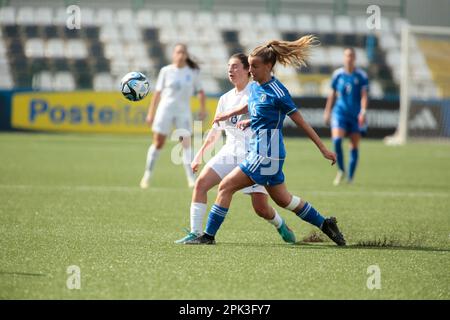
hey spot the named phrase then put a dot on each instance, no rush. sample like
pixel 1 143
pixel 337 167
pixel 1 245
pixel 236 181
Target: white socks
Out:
pixel 277 220
pixel 152 155
pixel 198 211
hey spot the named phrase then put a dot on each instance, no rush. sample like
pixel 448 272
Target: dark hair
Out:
pixel 286 52
pixel 243 58
pixel 189 61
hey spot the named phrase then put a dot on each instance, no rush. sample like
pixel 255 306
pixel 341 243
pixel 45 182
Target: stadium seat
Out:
pixel 285 22
pixel 360 23
pixel 324 24
pixel 305 23
pixel 163 18
pixel 104 82
pixel 43 81
pixel 25 16
pixel 63 81
pixel 76 49
pixel 109 33
pixel 7 16
pixel 44 16
pixel 113 49
pixel 265 22
pixel 243 20
pixel 55 48
pixel 184 19
pixel 106 16
pixel 204 18
pixel 225 21
pixel 145 18
pixel 344 24
pixel 125 17
pixel 60 17
pixel 34 48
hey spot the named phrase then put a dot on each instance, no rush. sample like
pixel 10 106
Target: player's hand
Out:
pixel 221 117
pixel 329 155
pixel 361 120
pixel 326 118
pixel 149 120
pixel 195 164
pixel 243 124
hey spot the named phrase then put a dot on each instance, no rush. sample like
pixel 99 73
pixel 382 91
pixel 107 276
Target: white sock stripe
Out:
pixel 305 212
pixel 218 211
pixel 295 201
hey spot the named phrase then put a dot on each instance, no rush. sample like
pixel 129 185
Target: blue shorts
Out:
pixel 263 170
pixel 349 125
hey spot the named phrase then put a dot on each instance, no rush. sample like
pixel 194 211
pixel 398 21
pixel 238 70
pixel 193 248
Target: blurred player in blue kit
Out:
pixel 346 109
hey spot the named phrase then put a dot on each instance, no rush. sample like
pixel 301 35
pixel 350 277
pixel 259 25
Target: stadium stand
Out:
pixel 38 51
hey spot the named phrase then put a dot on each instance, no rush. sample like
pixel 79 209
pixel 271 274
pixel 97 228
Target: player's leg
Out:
pixel 152 154
pixel 305 211
pixel 233 182
pixel 183 123
pixel 207 179
pixel 355 138
pixel 337 134
pixel 260 203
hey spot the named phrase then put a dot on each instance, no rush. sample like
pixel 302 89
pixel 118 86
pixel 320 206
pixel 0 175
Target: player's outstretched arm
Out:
pixel 228 114
pixel 301 123
pixel 329 107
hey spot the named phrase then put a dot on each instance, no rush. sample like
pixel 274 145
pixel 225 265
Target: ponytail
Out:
pixel 294 53
pixel 192 64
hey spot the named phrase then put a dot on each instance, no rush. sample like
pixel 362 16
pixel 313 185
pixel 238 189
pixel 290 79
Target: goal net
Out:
pixel 424 85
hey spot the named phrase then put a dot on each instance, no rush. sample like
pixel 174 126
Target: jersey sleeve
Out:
pixel 334 80
pixel 160 81
pixel 364 82
pixel 286 104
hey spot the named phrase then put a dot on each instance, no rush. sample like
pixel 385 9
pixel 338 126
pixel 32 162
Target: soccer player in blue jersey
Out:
pixel 268 104
pixel 346 108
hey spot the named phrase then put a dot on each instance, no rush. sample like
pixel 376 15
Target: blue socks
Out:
pixel 352 164
pixel 339 155
pixel 215 219
pixel 309 214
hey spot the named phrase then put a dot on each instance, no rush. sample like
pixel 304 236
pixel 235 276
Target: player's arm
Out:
pixel 228 114
pixel 301 123
pixel 202 98
pixel 156 97
pixel 329 106
pixel 211 139
pixel 364 104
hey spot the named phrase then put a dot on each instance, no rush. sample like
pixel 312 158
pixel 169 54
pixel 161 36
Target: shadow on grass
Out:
pixel 22 274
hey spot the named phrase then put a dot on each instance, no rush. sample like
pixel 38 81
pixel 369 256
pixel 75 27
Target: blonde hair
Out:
pixel 294 53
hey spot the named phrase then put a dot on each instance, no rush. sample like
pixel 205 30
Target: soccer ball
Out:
pixel 134 86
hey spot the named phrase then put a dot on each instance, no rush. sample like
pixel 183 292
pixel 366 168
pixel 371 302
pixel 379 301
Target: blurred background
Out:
pixel 39 52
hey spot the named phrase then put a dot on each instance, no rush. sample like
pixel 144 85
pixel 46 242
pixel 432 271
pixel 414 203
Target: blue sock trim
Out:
pixel 311 215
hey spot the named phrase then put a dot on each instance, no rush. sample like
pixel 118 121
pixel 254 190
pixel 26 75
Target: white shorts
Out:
pixel 224 162
pixel 165 120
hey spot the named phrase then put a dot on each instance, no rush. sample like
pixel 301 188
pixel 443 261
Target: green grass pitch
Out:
pixel 74 200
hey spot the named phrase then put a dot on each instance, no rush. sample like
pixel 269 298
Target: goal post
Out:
pixel 424 85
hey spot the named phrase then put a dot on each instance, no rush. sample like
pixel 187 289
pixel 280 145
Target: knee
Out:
pixel 158 144
pixel 200 185
pixel 263 210
pixel 225 187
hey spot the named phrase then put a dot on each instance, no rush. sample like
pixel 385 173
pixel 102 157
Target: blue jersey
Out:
pixel 268 105
pixel 348 89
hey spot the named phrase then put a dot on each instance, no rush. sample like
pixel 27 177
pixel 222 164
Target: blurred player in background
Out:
pixel 176 84
pixel 346 107
pixel 229 156
pixel 268 104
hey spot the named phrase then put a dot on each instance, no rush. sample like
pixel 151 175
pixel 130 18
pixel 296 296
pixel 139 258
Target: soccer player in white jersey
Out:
pixel 170 106
pixel 229 156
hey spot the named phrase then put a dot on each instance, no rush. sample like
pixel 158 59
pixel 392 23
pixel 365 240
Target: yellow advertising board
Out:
pixel 87 111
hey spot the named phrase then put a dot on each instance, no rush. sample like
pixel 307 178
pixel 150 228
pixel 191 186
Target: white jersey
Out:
pixel 237 140
pixel 177 86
